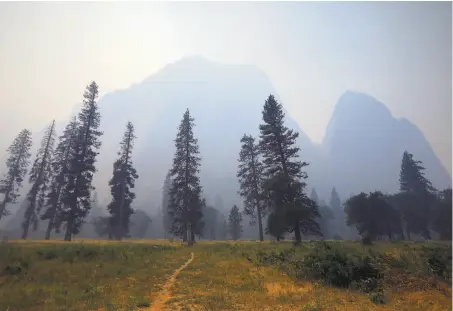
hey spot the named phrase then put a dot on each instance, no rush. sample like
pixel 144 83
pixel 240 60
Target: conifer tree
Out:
pixel 167 221
pixel 314 196
pixel 415 187
pixel 123 180
pixel 250 174
pixel 16 164
pixel 235 223
pixel 60 168
pixel 76 194
pixel 186 202
pixel 412 177
pixel 40 175
pixel 284 184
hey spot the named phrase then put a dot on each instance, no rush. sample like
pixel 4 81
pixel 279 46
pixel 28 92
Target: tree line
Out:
pixel 61 177
pixel 271 180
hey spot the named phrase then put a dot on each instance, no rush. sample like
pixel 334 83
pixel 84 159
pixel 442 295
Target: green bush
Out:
pixel 342 268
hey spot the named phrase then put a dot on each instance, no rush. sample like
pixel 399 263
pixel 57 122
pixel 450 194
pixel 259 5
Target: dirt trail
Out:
pixel 165 294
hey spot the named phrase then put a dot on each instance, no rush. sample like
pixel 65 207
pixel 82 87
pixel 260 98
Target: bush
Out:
pixel 439 261
pixel 338 267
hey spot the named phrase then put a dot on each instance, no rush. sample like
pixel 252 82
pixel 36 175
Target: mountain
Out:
pixel 364 144
pixel 226 102
pixel 361 150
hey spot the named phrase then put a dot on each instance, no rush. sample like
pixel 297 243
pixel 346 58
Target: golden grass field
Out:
pixel 161 275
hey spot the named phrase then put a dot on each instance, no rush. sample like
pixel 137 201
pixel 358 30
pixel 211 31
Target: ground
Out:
pixel 161 275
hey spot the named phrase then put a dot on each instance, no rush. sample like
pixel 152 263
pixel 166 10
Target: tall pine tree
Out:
pixel 60 168
pixel 185 204
pixel 250 174
pixel 412 177
pixel 40 175
pixel 123 180
pixel 416 188
pixel 235 223
pixel 76 194
pixel 284 183
pixel 17 163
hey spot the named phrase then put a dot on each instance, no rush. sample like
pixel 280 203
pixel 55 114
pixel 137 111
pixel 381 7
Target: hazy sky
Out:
pixel 400 53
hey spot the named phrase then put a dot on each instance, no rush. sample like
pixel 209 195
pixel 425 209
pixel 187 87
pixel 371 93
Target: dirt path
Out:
pixel 165 294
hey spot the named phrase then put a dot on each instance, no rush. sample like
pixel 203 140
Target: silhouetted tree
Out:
pixel 167 221
pixel 373 215
pixel 76 194
pixel 40 175
pixel 442 218
pixel 17 163
pixel 284 185
pixel 235 223
pixel 121 183
pixel 60 168
pixel 185 204
pixel 250 174
pixel 412 177
pixel 418 192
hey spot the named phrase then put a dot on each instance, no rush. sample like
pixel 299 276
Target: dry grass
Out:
pixel 129 275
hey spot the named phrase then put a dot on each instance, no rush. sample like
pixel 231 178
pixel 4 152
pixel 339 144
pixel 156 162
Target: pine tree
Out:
pixel 417 188
pixel 40 175
pixel 250 174
pixel 284 184
pixel 17 163
pixel 185 204
pixel 60 168
pixel 234 223
pixel 314 196
pixel 123 180
pixel 167 221
pixel 76 194
pixel 335 202
pixel 412 177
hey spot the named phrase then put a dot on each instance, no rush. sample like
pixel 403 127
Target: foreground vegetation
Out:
pixel 95 275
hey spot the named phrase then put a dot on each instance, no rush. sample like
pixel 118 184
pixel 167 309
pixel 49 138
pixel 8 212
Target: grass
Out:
pixel 94 275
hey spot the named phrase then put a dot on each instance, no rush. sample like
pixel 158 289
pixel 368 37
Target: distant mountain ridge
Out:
pixel 361 150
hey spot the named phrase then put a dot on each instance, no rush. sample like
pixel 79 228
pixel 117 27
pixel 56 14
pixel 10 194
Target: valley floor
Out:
pixel 159 275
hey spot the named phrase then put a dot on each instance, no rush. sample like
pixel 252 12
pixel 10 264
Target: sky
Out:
pixel 398 52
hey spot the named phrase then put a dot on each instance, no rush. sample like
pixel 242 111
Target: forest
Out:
pixel 273 188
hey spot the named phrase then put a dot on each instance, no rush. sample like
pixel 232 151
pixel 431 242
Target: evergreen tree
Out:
pixel 417 188
pixel 123 180
pixel 60 168
pixel 335 202
pixel 167 221
pixel 234 223
pixel 250 174
pixel 40 175
pixel 76 193
pixel 314 196
pixel 412 177
pixel 284 184
pixel 17 163
pixel 185 204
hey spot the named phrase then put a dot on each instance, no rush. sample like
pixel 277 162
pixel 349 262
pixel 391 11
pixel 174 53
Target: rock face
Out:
pixel 364 145
pixel 361 151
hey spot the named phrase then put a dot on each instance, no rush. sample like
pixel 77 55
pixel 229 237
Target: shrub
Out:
pixel 339 267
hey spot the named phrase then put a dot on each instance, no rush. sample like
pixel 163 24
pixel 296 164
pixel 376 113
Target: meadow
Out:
pixel 246 275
